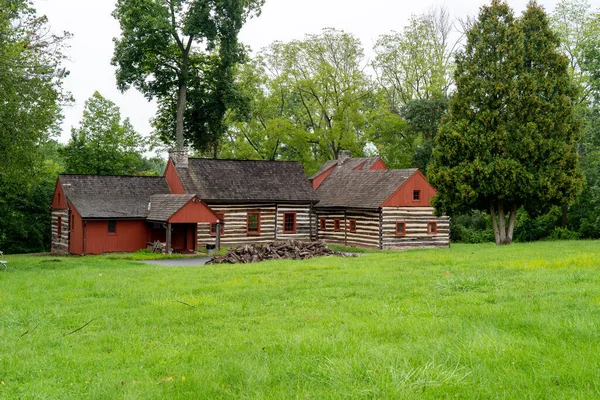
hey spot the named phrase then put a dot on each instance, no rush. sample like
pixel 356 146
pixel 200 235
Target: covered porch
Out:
pixel 175 218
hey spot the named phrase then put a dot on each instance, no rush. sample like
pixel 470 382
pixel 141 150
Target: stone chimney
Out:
pixel 179 157
pixel 342 155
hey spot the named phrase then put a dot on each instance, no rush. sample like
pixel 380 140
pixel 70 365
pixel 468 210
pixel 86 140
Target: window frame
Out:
pixel 293 214
pixel 248 231
pixel 416 195
pixel 108 223
pixel 213 232
pixel 401 232
pixel 322 224
pixel 337 226
pixel 434 230
pixel 352 226
pixel 59 227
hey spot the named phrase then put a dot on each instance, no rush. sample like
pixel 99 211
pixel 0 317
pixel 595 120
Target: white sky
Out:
pixel 93 28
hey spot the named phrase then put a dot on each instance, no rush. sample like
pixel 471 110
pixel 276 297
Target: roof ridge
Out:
pixel 114 176
pixel 238 160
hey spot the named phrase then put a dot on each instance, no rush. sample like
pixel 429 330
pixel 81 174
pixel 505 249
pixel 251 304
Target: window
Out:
pixel 59 226
pixel 400 228
pixel 59 196
pixel 336 225
pixel 213 226
pixel 323 224
pixel 72 222
pixel 289 222
pixel 432 228
pixel 352 225
pixel 416 195
pixel 253 223
pixel 112 226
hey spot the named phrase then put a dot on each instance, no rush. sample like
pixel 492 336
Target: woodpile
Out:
pixel 288 250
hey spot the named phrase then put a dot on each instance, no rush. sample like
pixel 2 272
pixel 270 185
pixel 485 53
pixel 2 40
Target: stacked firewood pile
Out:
pixel 291 250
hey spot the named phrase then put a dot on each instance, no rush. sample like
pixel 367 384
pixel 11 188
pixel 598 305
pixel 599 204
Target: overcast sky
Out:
pixel 93 28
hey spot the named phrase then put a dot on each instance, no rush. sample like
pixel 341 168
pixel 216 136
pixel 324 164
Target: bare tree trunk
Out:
pixel 503 233
pixel 511 223
pixel 181 100
pixel 495 224
pixel 502 222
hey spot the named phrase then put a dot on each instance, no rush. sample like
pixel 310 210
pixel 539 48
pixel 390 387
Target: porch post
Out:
pixel 169 238
pixel 218 236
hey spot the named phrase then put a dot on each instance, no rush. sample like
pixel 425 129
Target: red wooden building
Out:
pixel 362 203
pixel 258 201
pixel 100 214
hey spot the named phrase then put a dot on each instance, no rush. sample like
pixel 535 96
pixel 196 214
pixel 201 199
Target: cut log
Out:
pixel 291 250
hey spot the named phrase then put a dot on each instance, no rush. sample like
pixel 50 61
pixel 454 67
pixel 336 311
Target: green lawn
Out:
pixel 473 321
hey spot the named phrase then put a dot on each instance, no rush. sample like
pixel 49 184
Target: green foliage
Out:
pixel 30 89
pixel 105 145
pixel 31 97
pixel 472 321
pixel 474 227
pixel 182 52
pixel 510 137
pixel 529 229
pixel 309 99
pixel 417 62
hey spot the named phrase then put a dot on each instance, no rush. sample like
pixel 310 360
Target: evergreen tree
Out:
pixel 509 140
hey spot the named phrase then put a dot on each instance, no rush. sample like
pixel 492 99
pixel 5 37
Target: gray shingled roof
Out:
pixel 360 189
pixel 163 206
pixel 112 196
pixel 237 181
pixel 347 163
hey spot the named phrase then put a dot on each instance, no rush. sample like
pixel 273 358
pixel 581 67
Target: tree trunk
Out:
pixel 494 224
pixel 503 233
pixel 181 101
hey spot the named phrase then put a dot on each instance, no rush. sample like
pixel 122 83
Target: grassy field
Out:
pixel 473 321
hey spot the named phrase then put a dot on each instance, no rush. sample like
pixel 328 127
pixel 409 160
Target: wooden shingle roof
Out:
pixel 361 189
pixel 238 181
pixel 108 197
pixel 163 206
pixel 365 163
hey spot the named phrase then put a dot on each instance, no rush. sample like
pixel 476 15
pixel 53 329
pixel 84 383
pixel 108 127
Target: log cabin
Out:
pixel 364 204
pixel 257 201
pixel 94 214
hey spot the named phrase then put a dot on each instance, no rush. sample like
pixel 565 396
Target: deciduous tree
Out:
pixel 103 144
pixel 182 52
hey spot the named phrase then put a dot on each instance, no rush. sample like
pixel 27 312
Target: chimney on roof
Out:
pixel 179 157
pixel 343 154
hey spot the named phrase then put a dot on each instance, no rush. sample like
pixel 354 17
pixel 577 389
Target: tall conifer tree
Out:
pixel 509 140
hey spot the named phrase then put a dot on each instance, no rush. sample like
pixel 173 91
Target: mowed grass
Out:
pixel 472 321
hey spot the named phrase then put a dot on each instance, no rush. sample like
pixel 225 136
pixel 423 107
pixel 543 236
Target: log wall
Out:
pixel 235 233
pixel 367 228
pixel 60 245
pixel 416 219
pixel 302 222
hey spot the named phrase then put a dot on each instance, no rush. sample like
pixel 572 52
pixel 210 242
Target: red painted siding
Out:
pixel 316 181
pixel 130 236
pixel 58 198
pixel 173 179
pixel 403 197
pixel 76 234
pixel 378 165
pixel 359 166
pixel 194 212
